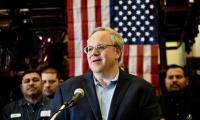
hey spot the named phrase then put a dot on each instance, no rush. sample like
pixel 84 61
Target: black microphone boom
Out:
pixel 78 93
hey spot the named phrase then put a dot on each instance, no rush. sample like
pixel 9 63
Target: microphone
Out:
pixel 78 93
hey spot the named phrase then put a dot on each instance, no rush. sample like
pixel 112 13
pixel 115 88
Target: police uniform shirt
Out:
pixel 179 106
pixel 23 110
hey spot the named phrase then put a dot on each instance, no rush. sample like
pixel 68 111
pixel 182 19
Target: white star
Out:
pixel 138 12
pixel 129 23
pixel 120 13
pixel 129 34
pixel 147 12
pixel 125 29
pixel 116 29
pixel 129 2
pixel 151 39
pixel 151 6
pixel 147 22
pixel 116 8
pixel 133 28
pixel 133 39
pixel 138 33
pixel 138 1
pixel 133 18
pixel 142 39
pixel 151 17
pixel 151 28
pixel 125 7
pixel 147 1
pixel 138 23
pixel 147 34
pixel 142 17
pixel 142 28
pixel 116 19
pixel 120 2
pixel 142 6
pixel 134 7
pixel 125 40
pixel 129 12
pixel 121 34
pixel 125 18
pixel 120 24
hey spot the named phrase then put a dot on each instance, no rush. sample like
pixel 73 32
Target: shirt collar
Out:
pixel 111 83
pixel 25 102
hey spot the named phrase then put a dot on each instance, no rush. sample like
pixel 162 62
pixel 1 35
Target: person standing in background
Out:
pixel 33 105
pixel 177 101
pixel 51 79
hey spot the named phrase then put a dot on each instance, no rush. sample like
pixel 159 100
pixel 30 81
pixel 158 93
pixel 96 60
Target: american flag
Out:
pixel 135 20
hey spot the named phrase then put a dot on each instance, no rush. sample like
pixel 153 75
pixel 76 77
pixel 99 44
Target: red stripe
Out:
pixel 140 60
pixel 154 59
pixel 154 67
pixel 98 13
pixel 126 56
pixel 84 17
pixel 70 30
pixel 71 67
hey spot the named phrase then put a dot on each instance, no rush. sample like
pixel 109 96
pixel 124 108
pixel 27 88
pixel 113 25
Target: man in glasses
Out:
pixel 110 93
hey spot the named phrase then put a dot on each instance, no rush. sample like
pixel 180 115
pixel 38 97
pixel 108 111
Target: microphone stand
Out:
pixel 64 106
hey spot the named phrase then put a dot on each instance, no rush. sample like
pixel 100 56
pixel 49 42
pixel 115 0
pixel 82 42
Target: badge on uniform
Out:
pixel 45 113
pixel 15 115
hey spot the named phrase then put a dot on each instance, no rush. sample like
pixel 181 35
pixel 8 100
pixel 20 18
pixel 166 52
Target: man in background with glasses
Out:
pixel 110 93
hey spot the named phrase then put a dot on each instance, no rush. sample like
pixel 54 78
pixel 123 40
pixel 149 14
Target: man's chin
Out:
pixel 175 89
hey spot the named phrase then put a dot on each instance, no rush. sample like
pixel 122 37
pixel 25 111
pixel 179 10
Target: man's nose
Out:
pixel 47 84
pixel 31 82
pixel 174 79
pixel 95 51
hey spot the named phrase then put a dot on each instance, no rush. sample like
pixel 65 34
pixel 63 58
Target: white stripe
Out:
pixel 79 66
pixel 147 62
pixel 147 50
pixel 105 11
pixel 132 59
pixel 147 59
pixel 91 16
pixel 147 77
pixel 78 37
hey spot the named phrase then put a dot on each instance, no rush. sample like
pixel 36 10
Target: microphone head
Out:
pixel 79 91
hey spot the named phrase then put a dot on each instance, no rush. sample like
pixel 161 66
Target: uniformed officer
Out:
pixel 178 102
pixel 33 106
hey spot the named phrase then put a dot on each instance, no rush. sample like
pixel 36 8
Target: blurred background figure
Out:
pixel 33 106
pixel 51 79
pixel 177 101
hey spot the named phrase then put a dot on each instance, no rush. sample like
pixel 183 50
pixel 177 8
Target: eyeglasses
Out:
pixel 99 47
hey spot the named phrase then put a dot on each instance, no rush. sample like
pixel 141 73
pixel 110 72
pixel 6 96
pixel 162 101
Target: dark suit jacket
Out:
pixel 133 99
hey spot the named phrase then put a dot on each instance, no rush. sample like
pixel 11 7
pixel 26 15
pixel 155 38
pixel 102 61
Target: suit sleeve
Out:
pixel 56 103
pixel 149 104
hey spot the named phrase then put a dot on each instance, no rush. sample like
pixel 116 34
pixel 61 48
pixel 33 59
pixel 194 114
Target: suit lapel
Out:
pixel 91 96
pixel 120 90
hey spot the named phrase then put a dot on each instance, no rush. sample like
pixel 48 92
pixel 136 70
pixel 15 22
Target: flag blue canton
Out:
pixel 135 20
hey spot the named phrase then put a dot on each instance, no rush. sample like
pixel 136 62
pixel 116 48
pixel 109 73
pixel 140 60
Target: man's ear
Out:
pixel 118 53
pixel 187 81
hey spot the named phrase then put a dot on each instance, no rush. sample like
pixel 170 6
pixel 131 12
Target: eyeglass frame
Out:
pixel 86 49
